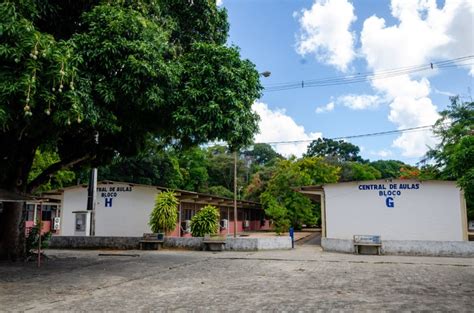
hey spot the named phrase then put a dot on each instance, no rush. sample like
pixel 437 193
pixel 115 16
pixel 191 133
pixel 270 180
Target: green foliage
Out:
pixel 337 150
pixel 44 159
pixel 32 240
pixel 277 213
pixel 353 171
pixel 290 174
pixel 193 165
pixel 454 155
pixel 220 191
pixel 425 172
pixel 220 168
pixel 129 70
pixel 164 216
pixel 154 168
pixel 262 154
pixel 206 221
pixel 389 168
pixel 259 182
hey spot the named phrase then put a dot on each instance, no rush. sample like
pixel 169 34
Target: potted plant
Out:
pixel 164 215
pixel 206 224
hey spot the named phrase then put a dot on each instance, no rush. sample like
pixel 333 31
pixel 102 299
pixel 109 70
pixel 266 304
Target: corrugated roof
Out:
pixel 183 195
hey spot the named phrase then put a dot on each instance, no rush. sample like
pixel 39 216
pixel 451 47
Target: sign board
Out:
pixel 108 193
pixel 367 239
pixel 389 192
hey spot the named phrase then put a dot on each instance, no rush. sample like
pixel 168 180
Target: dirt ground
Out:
pixel 304 279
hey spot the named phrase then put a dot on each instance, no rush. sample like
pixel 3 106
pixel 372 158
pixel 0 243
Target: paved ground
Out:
pixel 304 279
pixel 313 239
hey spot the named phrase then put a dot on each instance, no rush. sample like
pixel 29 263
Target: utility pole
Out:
pixel 264 74
pixel 92 192
pixel 235 194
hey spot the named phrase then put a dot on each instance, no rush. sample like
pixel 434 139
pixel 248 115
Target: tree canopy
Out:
pixel 454 155
pixel 129 71
pixel 123 69
pixel 338 150
pixel 280 195
pixel 389 168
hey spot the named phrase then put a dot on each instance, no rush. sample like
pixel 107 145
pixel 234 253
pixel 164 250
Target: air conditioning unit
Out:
pixel 56 223
pixel 246 224
pixel 224 224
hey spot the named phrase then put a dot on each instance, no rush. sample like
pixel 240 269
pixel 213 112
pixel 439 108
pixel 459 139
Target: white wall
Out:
pixel 73 200
pixel 431 212
pixel 127 215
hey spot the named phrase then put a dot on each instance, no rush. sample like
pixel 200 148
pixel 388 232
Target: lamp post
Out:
pixel 264 74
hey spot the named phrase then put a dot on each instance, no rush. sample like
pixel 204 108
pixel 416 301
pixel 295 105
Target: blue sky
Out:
pixel 303 40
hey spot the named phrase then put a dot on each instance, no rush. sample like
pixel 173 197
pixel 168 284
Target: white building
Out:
pixel 123 209
pixel 408 213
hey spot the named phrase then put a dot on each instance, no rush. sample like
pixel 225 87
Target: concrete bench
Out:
pixel 367 241
pixel 151 242
pixel 213 244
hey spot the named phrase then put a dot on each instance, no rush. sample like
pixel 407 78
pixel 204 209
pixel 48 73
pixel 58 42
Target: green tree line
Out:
pixel 265 176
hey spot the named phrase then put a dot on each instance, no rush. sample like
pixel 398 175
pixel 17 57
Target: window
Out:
pixel 240 215
pixel 223 213
pixel 231 214
pixel 30 212
pixel 46 216
pixel 188 214
pixel 46 213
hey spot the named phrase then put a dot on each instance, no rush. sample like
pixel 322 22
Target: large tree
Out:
pixel 126 70
pixel 389 168
pixel 334 150
pixel 354 171
pixel 289 174
pixel 454 155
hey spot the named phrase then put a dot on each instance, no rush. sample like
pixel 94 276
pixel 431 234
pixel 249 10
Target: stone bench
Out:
pixel 151 242
pixel 367 241
pixel 214 243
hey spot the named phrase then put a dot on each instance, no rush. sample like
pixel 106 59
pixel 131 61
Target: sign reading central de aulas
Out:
pixel 389 191
pixel 111 192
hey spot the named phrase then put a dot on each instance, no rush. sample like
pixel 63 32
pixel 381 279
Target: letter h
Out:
pixel 108 202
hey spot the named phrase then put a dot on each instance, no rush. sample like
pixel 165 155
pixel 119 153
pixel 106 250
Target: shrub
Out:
pixel 277 213
pixel 206 221
pixel 164 216
pixel 33 238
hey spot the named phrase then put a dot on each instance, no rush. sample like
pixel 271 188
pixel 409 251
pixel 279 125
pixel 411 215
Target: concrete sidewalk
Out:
pixel 304 280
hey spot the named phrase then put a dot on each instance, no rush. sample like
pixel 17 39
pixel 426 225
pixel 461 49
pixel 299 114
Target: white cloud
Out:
pixel 353 102
pixel 360 102
pixel 422 34
pixel 219 2
pixel 325 108
pixel 325 32
pixel 384 153
pixel 276 125
pixel 444 93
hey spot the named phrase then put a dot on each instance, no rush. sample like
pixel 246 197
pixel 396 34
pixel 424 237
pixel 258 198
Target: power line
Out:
pixel 371 76
pixel 374 75
pixel 398 131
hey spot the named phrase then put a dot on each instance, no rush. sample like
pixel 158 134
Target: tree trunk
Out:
pixel 12 225
pixel 12 231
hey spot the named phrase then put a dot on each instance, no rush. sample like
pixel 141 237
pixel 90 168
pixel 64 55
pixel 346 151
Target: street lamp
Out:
pixel 264 74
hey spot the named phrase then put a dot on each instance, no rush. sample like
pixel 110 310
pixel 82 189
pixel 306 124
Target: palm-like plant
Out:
pixel 206 221
pixel 165 213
